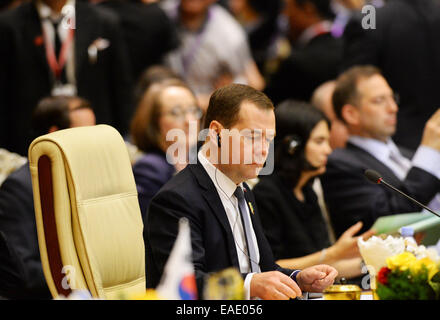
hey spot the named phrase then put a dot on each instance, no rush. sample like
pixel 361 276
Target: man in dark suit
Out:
pixel 212 195
pixel 21 273
pixel 316 54
pixel 405 46
pixel 365 102
pixel 60 47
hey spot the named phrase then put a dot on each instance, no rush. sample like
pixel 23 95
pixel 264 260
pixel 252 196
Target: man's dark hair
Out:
pixel 346 86
pixel 153 74
pixel 294 120
pixel 224 104
pixel 54 111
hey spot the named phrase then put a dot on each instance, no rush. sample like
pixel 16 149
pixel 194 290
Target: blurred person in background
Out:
pixel 21 272
pixel 214 49
pixel 166 105
pixel 60 47
pixel 9 4
pixel 364 100
pixel 147 30
pixel 153 74
pixel 404 41
pixel 262 22
pixel 315 55
pixel 322 99
pixel 290 213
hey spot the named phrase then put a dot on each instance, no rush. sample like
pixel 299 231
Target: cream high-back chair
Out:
pixel 87 213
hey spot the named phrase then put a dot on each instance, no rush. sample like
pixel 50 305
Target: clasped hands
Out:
pixel 274 285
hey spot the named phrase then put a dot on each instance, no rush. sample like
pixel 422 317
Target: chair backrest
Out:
pixel 87 213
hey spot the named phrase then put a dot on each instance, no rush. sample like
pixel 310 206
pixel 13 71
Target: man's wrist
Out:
pixel 247 286
pixel 294 275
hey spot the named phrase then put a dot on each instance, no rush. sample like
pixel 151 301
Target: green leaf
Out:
pixel 436 277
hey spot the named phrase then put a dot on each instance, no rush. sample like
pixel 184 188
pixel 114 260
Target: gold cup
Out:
pixel 342 292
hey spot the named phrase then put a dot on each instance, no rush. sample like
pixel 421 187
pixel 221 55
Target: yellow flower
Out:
pixel 401 261
pixel 416 265
pixel 407 260
pixel 150 294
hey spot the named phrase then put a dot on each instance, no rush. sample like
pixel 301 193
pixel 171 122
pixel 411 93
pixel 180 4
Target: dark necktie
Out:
pixel 245 219
pixel 58 46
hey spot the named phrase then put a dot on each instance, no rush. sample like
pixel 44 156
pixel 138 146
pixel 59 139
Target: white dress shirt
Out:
pixel 226 188
pixel 47 16
pixel 388 153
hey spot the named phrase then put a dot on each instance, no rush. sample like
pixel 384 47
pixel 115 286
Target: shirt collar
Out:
pixel 377 148
pixel 45 12
pixel 313 31
pixel 224 185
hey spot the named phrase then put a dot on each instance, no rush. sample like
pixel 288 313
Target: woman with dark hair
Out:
pixel 166 105
pixel 288 205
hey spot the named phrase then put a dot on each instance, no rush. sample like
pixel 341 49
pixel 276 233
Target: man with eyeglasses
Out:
pixel 366 103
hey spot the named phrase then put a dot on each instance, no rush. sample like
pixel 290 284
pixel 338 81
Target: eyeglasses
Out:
pixel 180 114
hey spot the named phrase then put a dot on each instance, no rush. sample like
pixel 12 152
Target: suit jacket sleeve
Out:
pixel 5 66
pixel 121 83
pixel 351 198
pixel 24 278
pixel 161 232
pixel 267 261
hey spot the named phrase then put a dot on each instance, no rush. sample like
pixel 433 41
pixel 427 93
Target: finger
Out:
pixel 291 284
pixel 321 285
pixel 436 115
pixel 329 272
pixel 278 295
pixel 314 273
pixel 354 229
pixel 325 282
pixel 288 291
pixel 367 234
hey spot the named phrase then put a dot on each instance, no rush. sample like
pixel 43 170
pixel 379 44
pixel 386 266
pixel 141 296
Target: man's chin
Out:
pixel 253 171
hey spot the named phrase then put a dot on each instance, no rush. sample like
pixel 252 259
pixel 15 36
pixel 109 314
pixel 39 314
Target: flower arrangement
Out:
pixel 408 277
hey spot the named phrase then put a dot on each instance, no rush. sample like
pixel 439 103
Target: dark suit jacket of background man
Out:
pixel 192 194
pixel 21 273
pixel 25 76
pixel 305 69
pixel 351 197
pixel 148 33
pixel 405 46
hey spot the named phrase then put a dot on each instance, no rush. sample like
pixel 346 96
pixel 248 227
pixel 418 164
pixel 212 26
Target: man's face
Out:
pixel 80 117
pixel 377 108
pixel 251 136
pixel 298 18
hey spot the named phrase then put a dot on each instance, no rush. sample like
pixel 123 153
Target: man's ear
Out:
pixel 350 114
pixel 215 129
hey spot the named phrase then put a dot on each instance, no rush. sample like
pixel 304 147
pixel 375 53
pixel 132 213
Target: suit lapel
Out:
pixel 209 192
pixel 84 34
pixel 370 162
pixel 34 37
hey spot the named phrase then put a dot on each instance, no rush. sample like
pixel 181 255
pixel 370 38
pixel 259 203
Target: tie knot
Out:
pixel 239 193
